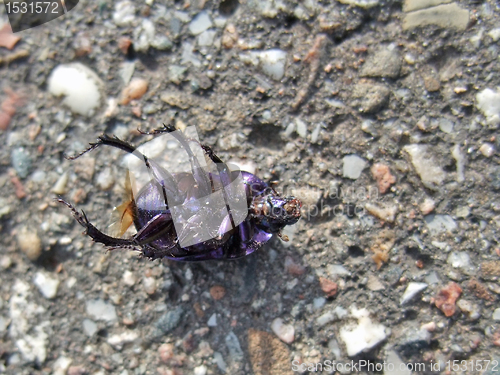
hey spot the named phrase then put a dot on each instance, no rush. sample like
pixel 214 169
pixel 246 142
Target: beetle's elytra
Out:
pixel 163 230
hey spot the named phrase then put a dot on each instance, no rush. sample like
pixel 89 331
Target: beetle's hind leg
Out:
pixel 96 234
pixel 108 141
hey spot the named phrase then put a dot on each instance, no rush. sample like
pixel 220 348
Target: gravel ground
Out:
pixel 380 115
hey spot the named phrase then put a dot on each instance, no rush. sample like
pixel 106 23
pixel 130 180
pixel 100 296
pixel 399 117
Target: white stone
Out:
pixel 61 365
pixel 100 310
pixel 429 171
pixel 446 125
pixel 318 303
pixel 487 149
pixel 325 318
pixel 118 341
pixel 360 3
pixel 212 322
pixel 273 63
pixel 89 327
pixel 206 38
pixel 129 278
pixel 363 336
pixel 494 34
pixel 440 223
pixel 488 102
pixel 144 35
pixel 200 23
pixel 469 308
pixel 496 314
pixel 60 185
pixel 200 370
pixel 46 284
pixel 460 160
pixel 124 13
pixel 411 291
pixel 336 270
pixel 353 166
pixel 149 284
pixel 301 128
pixel 432 278
pixel 79 85
pixel 386 211
pixel 459 259
pixel 398 368
pixel 285 332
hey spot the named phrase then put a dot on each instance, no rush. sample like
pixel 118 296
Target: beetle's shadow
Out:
pixel 239 277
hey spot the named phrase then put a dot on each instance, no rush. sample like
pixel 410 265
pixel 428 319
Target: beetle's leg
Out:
pixel 95 233
pixel 252 238
pixel 199 174
pixel 153 252
pixel 108 141
pixel 163 177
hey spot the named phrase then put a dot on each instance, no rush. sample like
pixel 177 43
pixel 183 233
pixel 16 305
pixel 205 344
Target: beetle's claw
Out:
pixel 165 129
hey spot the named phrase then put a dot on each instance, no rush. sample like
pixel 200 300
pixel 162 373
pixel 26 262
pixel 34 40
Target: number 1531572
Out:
pixel 33 7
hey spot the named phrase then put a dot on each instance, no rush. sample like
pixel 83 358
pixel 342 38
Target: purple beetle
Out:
pixel 266 212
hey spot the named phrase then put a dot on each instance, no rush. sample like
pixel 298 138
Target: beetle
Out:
pixel 151 209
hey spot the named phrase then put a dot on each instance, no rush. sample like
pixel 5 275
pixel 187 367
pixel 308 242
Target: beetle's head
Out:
pixel 280 211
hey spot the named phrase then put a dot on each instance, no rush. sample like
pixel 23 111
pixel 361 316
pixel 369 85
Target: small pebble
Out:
pixel 382 174
pixel 200 23
pixel 46 284
pixel 60 186
pixel 285 332
pixel 129 278
pixel 427 206
pixel 89 327
pixel 488 102
pixel 29 243
pixel 105 179
pixel 385 212
pixel 273 63
pixel 5 262
pixel 411 291
pixel 79 85
pixel 496 315
pixel 135 90
pixel 487 149
pixel 212 322
pixel 124 13
pixel 329 287
pixel 217 292
pixel 318 303
pixel 149 284
pixel 200 370
pixel 470 309
pixel 21 161
pixel 363 336
pixel 446 298
pixel 353 166
pixel 293 268
pixel 61 365
pixel 101 310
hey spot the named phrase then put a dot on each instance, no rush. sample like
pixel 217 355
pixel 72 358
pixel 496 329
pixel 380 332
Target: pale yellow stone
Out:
pixel 448 16
pixel 411 5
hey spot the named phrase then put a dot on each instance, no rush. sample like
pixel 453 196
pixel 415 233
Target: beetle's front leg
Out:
pixel 96 234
